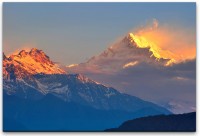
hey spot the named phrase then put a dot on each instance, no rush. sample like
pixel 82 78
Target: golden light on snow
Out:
pixel 169 42
pixel 142 42
pixel 33 64
pixel 166 46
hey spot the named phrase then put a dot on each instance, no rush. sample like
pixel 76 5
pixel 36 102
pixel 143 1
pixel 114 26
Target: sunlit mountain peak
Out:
pixel 30 62
pixel 157 52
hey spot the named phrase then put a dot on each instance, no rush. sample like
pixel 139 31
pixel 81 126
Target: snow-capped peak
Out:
pixel 131 51
pixel 134 48
pixel 131 37
pixel 31 62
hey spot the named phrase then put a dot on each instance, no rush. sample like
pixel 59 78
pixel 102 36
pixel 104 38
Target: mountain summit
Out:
pixel 30 62
pixel 130 51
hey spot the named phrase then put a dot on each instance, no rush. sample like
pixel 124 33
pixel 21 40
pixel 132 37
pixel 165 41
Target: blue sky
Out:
pixel 74 32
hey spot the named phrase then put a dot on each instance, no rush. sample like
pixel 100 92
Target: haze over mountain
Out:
pixel 30 78
pixel 132 62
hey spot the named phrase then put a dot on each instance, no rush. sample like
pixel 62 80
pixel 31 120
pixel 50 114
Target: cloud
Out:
pixel 130 64
pixel 178 78
pixel 175 42
pixel 156 84
pixel 155 23
pixel 72 65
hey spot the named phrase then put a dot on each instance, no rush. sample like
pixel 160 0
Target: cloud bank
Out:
pixel 174 42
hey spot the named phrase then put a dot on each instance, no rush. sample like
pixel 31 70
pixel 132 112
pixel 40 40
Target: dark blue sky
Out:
pixel 73 32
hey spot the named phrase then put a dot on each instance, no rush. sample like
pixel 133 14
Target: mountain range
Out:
pixel 41 96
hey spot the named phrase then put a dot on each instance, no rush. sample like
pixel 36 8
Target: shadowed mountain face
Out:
pixel 48 99
pixel 53 114
pixel 76 88
pixel 172 123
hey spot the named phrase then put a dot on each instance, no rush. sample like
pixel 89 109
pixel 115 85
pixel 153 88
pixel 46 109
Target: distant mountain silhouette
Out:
pixel 172 123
